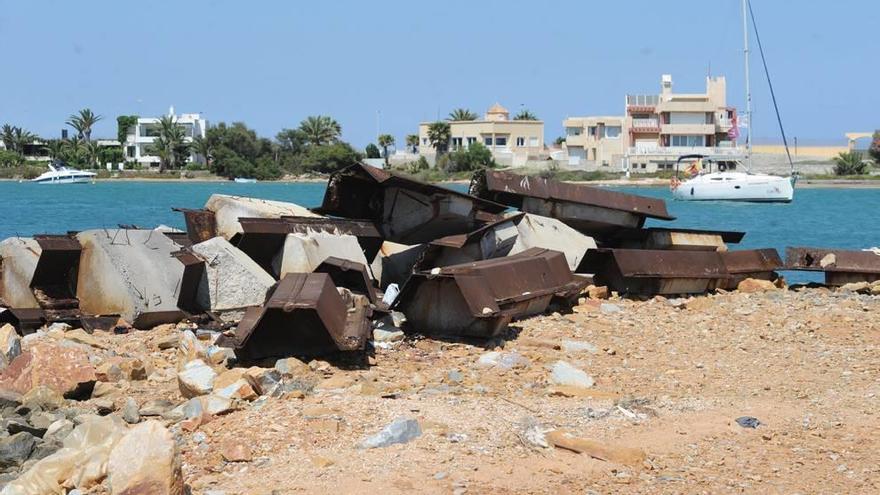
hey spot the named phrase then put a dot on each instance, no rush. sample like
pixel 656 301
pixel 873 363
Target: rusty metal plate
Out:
pixel 349 274
pixel 649 272
pixel 478 299
pixel 831 260
pixel 730 237
pixel 403 209
pixel 201 224
pixel 304 316
pixel 509 189
pixel 194 271
pixel 752 260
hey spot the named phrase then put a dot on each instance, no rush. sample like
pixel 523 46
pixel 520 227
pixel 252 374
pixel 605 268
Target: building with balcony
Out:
pixel 140 137
pixel 512 142
pixel 656 129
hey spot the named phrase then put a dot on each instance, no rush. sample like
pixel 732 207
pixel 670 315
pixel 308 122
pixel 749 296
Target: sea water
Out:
pixel 820 217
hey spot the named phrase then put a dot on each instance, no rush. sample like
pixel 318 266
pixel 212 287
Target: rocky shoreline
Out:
pixel 619 395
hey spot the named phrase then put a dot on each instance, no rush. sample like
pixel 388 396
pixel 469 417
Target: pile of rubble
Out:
pixel 254 289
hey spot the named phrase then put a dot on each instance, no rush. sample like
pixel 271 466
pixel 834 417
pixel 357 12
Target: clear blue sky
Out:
pixel 270 64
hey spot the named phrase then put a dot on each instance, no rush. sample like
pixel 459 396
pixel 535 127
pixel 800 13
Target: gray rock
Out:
pixel 192 408
pixel 14 426
pixel 155 407
pixel 45 449
pixel 455 376
pixel 401 430
pixel 63 327
pixel 10 345
pixel 130 412
pixel 380 335
pixel 15 449
pixel 565 374
pixel 8 398
pixel 196 378
pixel 503 360
pixel 58 431
pixel 579 346
pixel 609 308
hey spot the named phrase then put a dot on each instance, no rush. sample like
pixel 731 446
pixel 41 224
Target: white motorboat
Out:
pixel 59 173
pixel 726 184
pixel 708 184
pixel 245 180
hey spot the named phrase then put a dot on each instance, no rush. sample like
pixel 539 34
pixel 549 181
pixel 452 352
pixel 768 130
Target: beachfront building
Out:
pixel 141 136
pixel 656 129
pixel 512 142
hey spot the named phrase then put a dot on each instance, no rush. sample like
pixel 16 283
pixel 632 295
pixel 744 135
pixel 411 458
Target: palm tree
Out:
pixel 92 153
pixel 73 151
pixel 850 163
pixel 439 134
pixel 83 122
pixel 462 114
pixel 55 147
pixel 320 130
pixel 386 140
pixel 525 115
pixel 23 138
pixel 203 148
pixel 412 142
pixel 170 146
pixel 7 135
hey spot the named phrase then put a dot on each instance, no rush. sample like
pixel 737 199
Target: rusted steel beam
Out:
pixel 194 270
pixel 479 299
pixel 201 224
pixel 840 266
pixel 649 272
pixel 350 275
pixel 304 316
pixel 750 263
pixel 403 209
pixel 593 211
pixel 672 238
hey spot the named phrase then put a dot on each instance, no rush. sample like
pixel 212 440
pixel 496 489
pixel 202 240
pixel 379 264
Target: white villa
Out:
pixel 142 135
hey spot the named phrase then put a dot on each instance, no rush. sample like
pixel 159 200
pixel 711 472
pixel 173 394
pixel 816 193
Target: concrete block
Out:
pixel 130 273
pixel 550 233
pixel 302 253
pixel 228 209
pixel 232 279
pixel 18 260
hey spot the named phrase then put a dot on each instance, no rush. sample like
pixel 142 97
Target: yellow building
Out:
pixel 511 141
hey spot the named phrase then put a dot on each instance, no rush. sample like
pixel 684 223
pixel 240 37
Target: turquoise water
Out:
pixel 845 218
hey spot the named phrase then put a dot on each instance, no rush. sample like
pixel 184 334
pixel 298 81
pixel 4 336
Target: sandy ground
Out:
pixel 671 377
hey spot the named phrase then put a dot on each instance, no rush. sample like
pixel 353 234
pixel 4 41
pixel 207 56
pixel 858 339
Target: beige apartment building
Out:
pixel 512 142
pixel 656 129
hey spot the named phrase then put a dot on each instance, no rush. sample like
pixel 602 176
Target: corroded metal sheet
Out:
pixel 304 316
pixel 648 272
pixel 592 210
pixel 750 263
pixel 54 280
pixel 672 238
pixel 350 275
pixel 258 233
pixel 479 299
pixel 201 224
pixel 840 266
pixel 403 209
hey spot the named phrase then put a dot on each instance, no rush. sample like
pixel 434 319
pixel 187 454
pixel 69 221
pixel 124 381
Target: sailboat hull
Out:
pixel 721 186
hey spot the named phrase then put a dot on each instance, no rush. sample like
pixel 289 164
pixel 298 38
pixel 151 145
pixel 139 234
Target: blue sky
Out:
pixel 271 63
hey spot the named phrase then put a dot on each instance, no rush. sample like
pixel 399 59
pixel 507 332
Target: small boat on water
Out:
pixel 244 180
pixel 711 181
pixel 59 173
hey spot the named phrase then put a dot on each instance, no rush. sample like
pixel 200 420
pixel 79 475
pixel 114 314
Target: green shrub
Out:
pixel 10 158
pixel 850 163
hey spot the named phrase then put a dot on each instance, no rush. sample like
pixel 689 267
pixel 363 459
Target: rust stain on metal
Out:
pixel 304 316
pixel 194 270
pixel 403 209
pixel 840 266
pixel 643 271
pixel 54 279
pixel 479 299
pixel 350 275
pixel 201 224
pixel 589 209
pixel 750 263
pixel 671 238
pixel 256 231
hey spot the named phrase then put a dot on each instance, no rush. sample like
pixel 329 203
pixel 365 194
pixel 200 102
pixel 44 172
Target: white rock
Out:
pixel 196 378
pixel 565 374
pixel 146 460
pixel 401 430
pixel 10 345
pixel 380 335
pixel 579 346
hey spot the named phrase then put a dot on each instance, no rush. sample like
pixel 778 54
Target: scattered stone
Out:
pixel 565 374
pixel 382 336
pixel 168 342
pixel 196 378
pixel 857 287
pixel 15 425
pixel 753 285
pixel 145 460
pixel 155 407
pixel 242 389
pixel 104 406
pixel 15 449
pixel 216 405
pixel 10 345
pixel 401 430
pixel 292 367
pixel 321 462
pixel 43 397
pixel 58 430
pixel 609 308
pixel 63 368
pixel 748 422
pixel 130 412
pixel 236 452
pixel 58 327
pixel 578 346
pixel 80 336
pixel 502 360
pixel 9 398
pixel 455 376
pixel 600 292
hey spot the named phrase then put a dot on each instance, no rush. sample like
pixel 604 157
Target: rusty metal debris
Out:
pixel 201 224
pixel 304 316
pixel 350 275
pixel 403 209
pixel 54 280
pixel 591 210
pixel 479 299
pixel 672 238
pixel 750 263
pixel 649 272
pixel 840 266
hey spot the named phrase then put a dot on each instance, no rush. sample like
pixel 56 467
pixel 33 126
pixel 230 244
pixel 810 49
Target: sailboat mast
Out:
pixel 748 87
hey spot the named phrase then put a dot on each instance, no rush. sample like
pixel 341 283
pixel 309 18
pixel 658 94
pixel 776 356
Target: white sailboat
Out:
pixel 59 173
pixel 721 184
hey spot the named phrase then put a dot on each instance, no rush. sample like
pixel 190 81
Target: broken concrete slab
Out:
pixel 536 231
pixel 130 273
pixel 403 209
pixel 302 253
pixel 229 279
pixel 479 299
pixel 394 263
pixel 18 261
pixel 228 209
pixel 492 240
pixel 305 316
